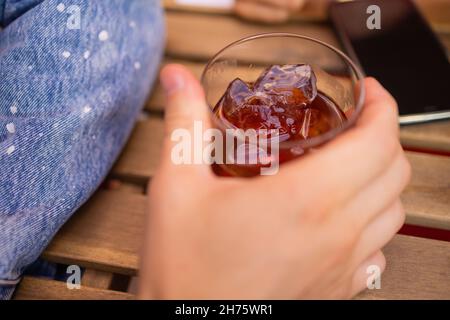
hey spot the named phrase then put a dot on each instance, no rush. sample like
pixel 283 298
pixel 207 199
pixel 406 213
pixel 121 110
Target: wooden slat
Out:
pixel 103 235
pixel 212 33
pixel 313 11
pixel 428 136
pixel 174 5
pixel 427 198
pixel 229 28
pixel 416 269
pixel 41 289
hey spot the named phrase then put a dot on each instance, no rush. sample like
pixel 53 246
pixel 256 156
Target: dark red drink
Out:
pixel 285 99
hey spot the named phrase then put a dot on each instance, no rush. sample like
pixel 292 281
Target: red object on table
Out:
pixel 424 232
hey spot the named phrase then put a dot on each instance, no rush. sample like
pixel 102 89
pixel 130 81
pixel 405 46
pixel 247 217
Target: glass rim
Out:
pixel 322 138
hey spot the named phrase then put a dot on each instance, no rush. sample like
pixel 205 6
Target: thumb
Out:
pixel 185 99
pixel 185 107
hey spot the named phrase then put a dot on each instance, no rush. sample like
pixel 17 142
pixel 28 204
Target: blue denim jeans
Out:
pixel 74 75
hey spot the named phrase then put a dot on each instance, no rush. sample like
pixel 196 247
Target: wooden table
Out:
pixel 105 235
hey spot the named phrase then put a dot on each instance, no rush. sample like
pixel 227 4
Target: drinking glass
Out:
pixel 338 79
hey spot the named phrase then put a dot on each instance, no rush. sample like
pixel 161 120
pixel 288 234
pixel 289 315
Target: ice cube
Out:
pixel 292 84
pixel 237 93
pixel 279 100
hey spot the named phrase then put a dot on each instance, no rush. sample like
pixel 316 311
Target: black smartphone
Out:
pixel 392 42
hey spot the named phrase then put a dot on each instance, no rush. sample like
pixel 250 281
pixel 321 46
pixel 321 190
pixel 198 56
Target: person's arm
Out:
pixel 310 231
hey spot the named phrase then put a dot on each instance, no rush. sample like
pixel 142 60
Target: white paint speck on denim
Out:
pixel 66 54
pixel 103 35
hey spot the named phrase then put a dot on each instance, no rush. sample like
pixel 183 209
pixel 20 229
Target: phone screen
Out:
pixel 404 54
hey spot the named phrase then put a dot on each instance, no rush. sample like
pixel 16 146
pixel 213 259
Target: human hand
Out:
pixel 269 11
pixel 310 231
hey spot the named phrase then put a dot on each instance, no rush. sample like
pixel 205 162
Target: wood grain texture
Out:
pixel 435 11
pixel 427 198
pixel 173 5
pixel 212 33
pixel 416 269
pixel 105 234
pixel 427 136
pixel 314 10
pixel 42 289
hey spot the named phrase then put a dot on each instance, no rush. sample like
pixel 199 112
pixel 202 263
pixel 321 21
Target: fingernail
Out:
pixel 172 82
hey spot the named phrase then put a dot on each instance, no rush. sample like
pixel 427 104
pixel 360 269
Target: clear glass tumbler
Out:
pixel 339 82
